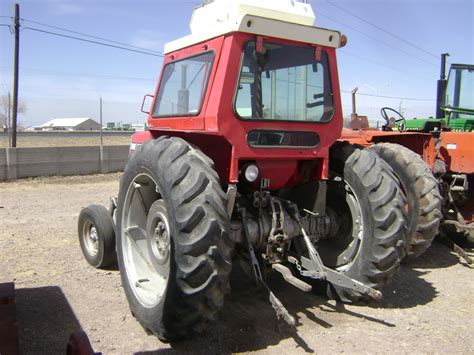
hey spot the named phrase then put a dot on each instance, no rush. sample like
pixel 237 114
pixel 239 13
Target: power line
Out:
pixel 383 65
pixel 90 41
pixel 390 97
pixel 382 29
pixel 90 36
pixel 150 80
pixel 85 75
pixel 375 39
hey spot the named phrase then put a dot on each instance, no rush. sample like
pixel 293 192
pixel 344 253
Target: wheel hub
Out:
pixel 93 235
pixel 91 238
pixel 161 240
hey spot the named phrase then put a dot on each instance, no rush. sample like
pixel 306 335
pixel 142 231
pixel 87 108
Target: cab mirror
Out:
pixel 148 99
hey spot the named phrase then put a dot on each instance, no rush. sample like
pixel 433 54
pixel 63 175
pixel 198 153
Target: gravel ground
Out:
pixel 426 309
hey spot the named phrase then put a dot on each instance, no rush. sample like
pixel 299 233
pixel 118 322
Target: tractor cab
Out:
pixel 459 102
pixel 257 79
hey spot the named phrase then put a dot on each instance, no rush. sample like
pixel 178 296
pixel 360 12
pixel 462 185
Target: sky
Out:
pixel 393 50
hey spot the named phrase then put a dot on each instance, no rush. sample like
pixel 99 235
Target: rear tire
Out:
pixel 423 196
pixel 97 236
pixel 173 238
pixel 369 245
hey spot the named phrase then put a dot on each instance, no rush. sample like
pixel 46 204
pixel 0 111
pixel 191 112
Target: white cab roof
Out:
pixel 286 19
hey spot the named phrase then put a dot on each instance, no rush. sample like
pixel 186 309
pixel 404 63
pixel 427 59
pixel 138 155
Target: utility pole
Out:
pixel 101 148
pixel 15 75
pixel 100 119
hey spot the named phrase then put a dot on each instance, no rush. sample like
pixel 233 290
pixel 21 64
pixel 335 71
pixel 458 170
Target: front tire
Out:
pixel 423 196
pixel 369 244
pixel 173 238
pixel 97 236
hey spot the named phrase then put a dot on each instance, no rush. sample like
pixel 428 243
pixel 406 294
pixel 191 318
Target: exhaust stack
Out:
pixel 441 88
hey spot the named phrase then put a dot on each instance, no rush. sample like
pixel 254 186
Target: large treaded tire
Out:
pixel 200 259
pixel 423 196
pixel 381 204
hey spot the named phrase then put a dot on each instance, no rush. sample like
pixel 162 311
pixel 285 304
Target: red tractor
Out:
pixel 241 160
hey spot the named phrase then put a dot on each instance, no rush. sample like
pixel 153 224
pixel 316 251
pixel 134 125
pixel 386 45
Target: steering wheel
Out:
pixel 400 121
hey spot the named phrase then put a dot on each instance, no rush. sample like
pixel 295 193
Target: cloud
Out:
pixel 152 40
pixel 69 9
pixel 65 7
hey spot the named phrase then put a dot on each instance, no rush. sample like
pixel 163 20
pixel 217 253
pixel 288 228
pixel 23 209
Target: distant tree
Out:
pixel 7 106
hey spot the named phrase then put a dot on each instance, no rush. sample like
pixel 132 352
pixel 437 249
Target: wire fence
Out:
pixel 120 118
pixel 41 121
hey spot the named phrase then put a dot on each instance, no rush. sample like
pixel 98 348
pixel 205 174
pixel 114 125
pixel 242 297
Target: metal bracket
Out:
pixel 277 234
pixel 113 206
pixel 259 47
pixel 316 269
pixel 280 310
pixel 257 273
pixel 319 207
pixel 317 53
pixel 231 194
pixel 288 277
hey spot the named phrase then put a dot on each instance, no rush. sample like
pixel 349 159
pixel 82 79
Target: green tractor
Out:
pixel 454 102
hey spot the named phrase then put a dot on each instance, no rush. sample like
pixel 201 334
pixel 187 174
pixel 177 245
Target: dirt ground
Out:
pixel 427 309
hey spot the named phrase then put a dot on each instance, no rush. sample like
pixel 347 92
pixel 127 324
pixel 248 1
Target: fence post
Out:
pixel 12 163
pixel 104 160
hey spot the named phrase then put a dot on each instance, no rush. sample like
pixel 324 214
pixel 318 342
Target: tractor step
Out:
pixel 288 277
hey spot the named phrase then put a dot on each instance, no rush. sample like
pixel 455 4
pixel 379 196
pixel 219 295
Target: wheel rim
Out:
pixel 339 252
pixel 146 241
pixel 91 238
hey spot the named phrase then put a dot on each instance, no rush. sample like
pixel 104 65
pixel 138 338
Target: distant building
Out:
pixel 120 126
pixel 137 127
pixel 70 124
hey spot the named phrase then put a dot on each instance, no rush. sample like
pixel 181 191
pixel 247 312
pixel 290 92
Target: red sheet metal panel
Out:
pixel 8 322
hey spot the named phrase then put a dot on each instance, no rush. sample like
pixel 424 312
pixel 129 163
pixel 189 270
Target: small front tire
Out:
pixel 97 236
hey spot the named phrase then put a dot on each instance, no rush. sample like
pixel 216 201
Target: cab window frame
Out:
pixel 327 77
pixel 204 91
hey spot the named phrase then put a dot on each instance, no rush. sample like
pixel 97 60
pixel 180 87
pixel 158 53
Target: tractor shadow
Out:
pixel 409 288
pixel 45 320
pixel 248 322
pixel 439 255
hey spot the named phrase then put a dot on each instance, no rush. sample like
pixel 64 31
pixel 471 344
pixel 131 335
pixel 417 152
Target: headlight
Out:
pixel 251 173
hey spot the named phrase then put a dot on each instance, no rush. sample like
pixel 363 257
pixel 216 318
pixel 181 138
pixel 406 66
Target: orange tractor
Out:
pixel 433 159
